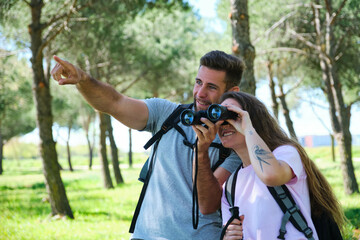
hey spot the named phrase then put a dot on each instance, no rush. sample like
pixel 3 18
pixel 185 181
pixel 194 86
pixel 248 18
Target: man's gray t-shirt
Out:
pixel 166 212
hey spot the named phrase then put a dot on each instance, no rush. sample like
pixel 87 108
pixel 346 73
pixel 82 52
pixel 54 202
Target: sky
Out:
pixel 305 120
pixel 206 8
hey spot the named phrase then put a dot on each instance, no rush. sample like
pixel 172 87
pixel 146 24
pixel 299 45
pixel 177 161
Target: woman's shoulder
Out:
pixel 285 149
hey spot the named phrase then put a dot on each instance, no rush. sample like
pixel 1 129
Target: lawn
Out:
pixel 101 213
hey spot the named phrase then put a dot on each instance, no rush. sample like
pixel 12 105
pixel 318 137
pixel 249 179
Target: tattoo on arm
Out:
pixel 261 155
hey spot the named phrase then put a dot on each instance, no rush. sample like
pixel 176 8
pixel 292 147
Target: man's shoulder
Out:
pixel 159 104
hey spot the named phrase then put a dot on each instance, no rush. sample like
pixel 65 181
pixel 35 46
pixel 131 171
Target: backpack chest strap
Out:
pixel 291 212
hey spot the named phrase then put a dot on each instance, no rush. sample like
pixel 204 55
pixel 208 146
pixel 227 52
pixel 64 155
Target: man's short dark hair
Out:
pixel 231 65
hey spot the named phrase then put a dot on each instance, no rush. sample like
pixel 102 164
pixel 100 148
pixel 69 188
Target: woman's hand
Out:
pixel 243 122
pixel 235 229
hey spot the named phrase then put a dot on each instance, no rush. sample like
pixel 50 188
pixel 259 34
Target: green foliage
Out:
pixel 16 104
pixel 11 25
pixel 164 52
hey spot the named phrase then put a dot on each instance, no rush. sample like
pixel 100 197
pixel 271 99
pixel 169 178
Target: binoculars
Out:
pixel 214 113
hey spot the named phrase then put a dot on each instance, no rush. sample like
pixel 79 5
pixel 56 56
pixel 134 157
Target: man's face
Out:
pixel 208 88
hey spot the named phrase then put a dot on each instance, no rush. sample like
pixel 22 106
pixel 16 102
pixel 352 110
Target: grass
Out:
pixel 101 213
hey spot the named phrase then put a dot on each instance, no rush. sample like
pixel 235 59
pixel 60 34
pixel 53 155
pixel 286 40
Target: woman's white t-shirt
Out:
pixel 262 213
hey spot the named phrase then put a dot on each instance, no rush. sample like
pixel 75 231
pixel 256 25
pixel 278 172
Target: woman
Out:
pixel 269 158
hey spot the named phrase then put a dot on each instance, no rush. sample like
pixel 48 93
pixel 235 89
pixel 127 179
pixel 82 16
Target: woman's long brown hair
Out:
pixel 322 197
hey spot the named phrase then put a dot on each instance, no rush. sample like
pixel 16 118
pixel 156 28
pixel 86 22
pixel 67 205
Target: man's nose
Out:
pixel 202 92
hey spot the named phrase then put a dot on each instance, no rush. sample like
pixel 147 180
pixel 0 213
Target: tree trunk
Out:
pixel 339 112
pixel 130 149
pixel 241 45
pixel 103 156
pixel 274 105
pixel 90 150
pixel 340 120
pixel 114 152
pixel 42 98
pixel 86 127
pixel 347 168
pixel 332 147
pixel 68 149
pixel 286 112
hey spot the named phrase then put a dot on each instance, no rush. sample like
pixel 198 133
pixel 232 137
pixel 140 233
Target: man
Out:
pixel 166 212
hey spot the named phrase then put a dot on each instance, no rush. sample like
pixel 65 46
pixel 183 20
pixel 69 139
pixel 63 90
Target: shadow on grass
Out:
pixel 93 216
pixel 354 215
pixel 35 186
pixel 21 172
pixel 74 184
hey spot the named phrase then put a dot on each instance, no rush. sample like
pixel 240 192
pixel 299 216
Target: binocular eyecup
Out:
pixel 214 113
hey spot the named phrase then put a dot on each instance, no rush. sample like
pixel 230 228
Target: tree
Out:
pixel 66 113
pixel 130 149
pixel 16 104
pixel 285 71
pixel 331 44
pixel 87 119
pixel 161 54
pixel 42 30
pixel 242 46
pixel 114 151
pixel 102 152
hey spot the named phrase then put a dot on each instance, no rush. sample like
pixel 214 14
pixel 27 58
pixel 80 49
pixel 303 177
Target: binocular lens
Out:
pixel 187 117
pixel 215 113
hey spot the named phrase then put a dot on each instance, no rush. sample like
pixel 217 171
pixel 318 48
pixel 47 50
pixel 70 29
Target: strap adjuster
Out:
pixel 308 232
pixel 293 209
pixel 282 195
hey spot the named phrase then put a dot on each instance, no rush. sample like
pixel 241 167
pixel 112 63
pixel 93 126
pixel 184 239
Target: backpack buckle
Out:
pixel 234 211
pixel 308 232
pixel 282 234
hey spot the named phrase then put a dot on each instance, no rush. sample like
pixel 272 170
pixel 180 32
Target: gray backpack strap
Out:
pixel 291 212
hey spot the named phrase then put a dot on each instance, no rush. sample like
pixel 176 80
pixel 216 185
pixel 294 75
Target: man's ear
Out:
pixel 234 89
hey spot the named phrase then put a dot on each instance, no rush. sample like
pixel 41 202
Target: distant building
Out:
pixel 323 140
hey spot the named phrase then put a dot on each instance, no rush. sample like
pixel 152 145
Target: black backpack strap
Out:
pixel 168 124
pixel 291 212
pixel 230 186
pixel 185 141
pixel 143 190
